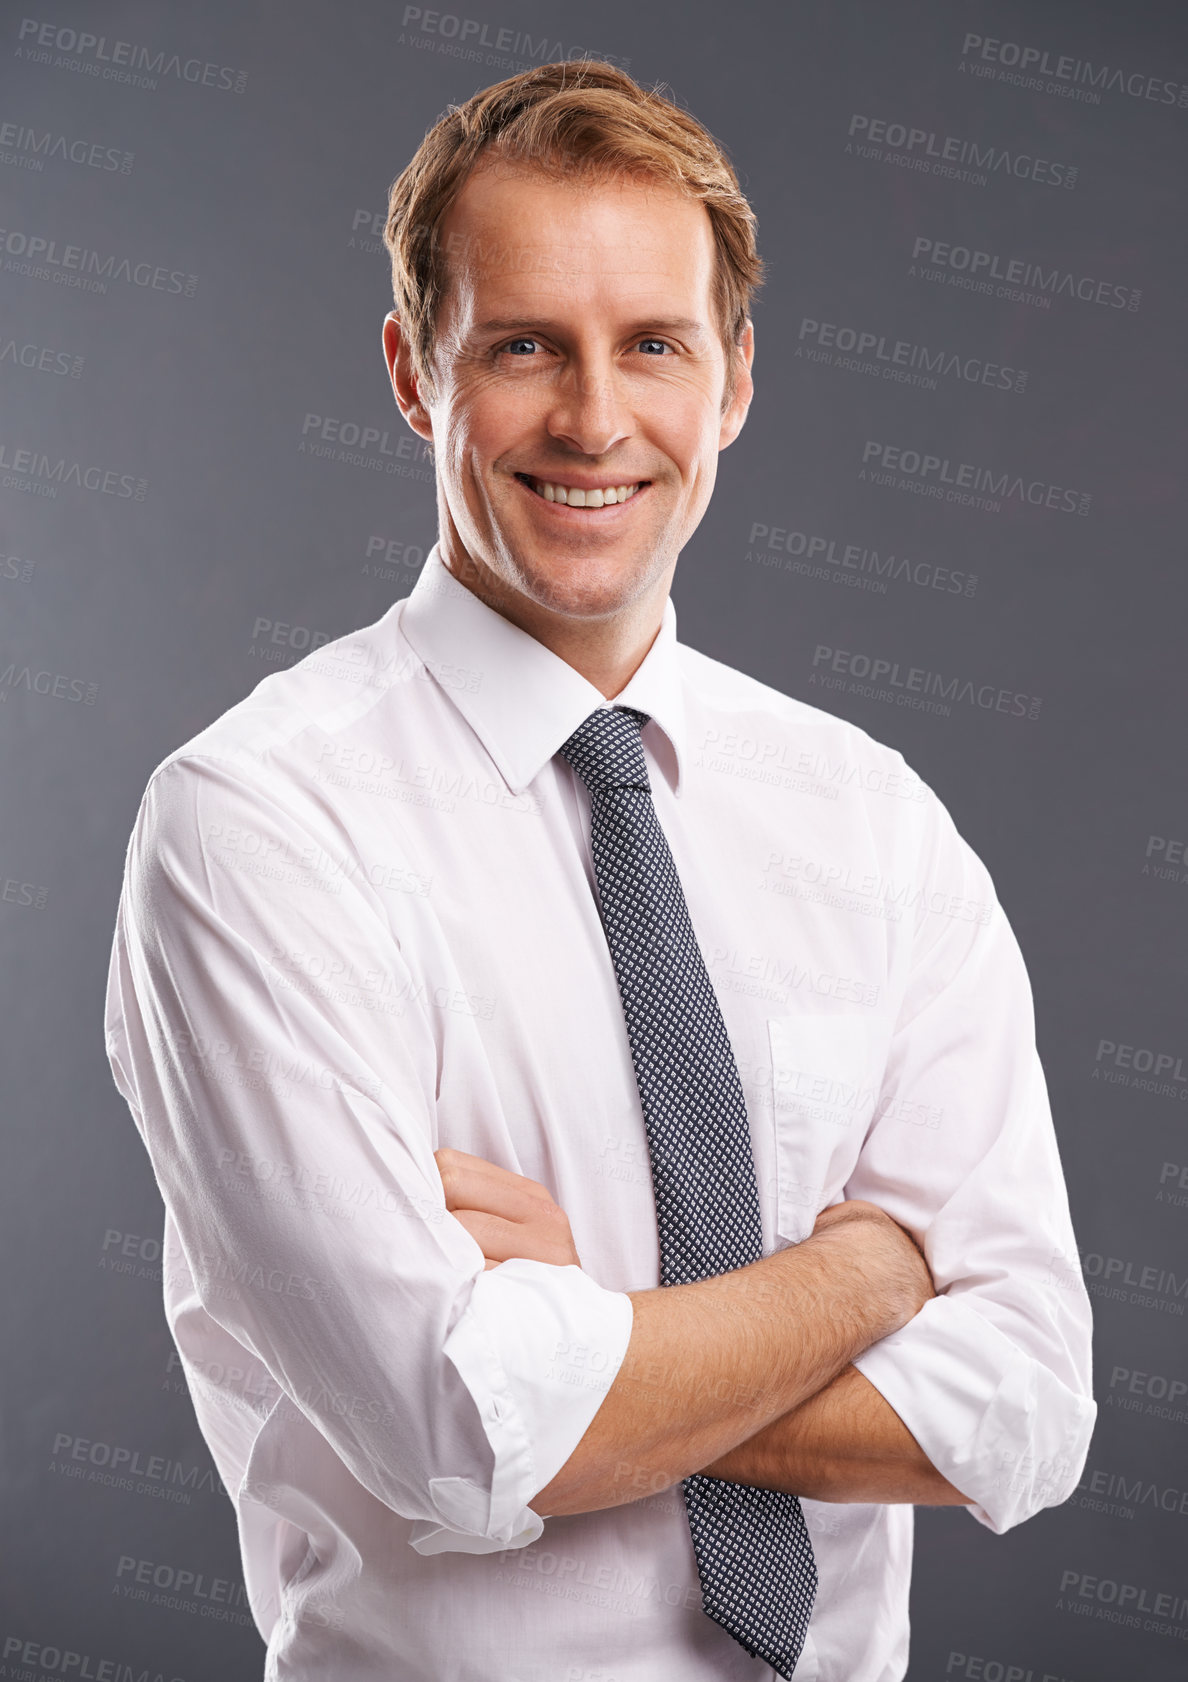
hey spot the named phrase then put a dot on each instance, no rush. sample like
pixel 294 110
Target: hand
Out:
pixel 506 1214
pixel 886 1250
pixel 850 1209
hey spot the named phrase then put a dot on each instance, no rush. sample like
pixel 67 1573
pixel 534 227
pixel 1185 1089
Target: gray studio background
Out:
pixel 188 501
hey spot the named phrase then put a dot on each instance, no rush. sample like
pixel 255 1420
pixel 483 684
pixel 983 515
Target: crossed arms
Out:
pixel 291 1129
pixel 746 1376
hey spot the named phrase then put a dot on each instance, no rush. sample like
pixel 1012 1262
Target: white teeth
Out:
pixel 573 497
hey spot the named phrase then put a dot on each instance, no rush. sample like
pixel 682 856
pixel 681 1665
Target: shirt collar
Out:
pixel 522 700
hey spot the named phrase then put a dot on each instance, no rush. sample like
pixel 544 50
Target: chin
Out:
pixel 586 588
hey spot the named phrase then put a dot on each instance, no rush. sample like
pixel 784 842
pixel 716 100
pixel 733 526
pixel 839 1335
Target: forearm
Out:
pixel 711 1364
pixel 845 1443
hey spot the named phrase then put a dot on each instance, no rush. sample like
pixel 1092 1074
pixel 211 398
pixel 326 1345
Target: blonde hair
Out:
pixel 586 117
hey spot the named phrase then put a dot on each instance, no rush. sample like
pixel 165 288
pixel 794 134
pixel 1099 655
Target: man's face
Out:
pixel 578 362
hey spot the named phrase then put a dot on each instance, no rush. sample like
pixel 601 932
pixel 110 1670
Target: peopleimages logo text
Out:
pixel 952 154
pixel 1038 61
pixel 967 475
pixel 39 254
pixel 119 60
pixel 1020 271
pixel 900 354
pixel 918 680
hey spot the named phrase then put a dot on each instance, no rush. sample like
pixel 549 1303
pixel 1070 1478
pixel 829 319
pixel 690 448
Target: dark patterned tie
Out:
pixel 754 1556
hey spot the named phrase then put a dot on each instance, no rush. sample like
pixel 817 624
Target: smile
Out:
pixel 574 496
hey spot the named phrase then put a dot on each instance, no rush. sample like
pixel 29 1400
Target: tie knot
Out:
pixel 605 750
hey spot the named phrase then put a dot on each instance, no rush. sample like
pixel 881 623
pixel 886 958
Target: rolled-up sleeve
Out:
pixel 993 1376
pixel 265 1029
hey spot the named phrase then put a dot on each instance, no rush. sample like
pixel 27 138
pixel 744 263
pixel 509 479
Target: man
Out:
pixel 553 1119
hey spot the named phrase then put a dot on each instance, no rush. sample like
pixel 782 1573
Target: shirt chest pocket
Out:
pixel 826 1071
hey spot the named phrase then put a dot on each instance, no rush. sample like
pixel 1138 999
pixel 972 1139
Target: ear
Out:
pixel 735 412
pixel 405 384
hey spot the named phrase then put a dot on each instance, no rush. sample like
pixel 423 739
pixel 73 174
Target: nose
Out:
pixel 588 413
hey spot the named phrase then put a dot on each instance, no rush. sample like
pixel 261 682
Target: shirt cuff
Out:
pixel 998 1424
pixel 537 1347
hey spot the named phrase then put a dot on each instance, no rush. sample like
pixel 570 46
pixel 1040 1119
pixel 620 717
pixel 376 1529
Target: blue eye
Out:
pixel 515 347
pixel 657 345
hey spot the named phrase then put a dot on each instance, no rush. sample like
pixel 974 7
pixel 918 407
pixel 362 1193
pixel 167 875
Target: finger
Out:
pixel 501 1240
pixel 453 1163
pixel 471 1182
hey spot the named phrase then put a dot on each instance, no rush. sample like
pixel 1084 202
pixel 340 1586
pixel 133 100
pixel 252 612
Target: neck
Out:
pixel 607 650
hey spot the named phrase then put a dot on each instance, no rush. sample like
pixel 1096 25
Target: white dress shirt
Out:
pixel 358 923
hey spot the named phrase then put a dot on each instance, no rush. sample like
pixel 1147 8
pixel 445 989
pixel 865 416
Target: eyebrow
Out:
pixel 536 324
